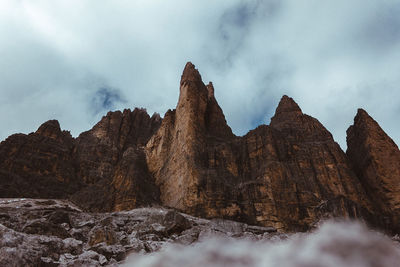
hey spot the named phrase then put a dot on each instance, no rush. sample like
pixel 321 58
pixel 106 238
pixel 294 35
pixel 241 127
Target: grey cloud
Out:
pixel 331 57
pixel 383 30
pixel 105 99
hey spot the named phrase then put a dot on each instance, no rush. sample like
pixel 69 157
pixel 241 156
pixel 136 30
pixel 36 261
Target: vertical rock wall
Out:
pixel 288 174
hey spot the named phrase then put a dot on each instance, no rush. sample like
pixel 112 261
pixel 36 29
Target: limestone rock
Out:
pixel 106 237
pixel 286 175
pixel 39 164
pixel 111 162
pixel 276 175
pixel 177 153
pixel 376 160
pixel 103 169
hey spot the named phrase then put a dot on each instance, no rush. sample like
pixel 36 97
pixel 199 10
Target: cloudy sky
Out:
pixel 73 60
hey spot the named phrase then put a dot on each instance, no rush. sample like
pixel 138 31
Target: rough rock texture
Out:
pixel 376 160
pixel 176 154
pixel 111 162
pixel 39 164
pixel 286 175
pixel 38 232
pixel 103 169
pixel 277 175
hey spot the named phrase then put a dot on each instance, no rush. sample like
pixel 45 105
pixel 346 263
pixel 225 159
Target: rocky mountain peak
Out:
pixel 51 129
pixel 287 105
pixel 210 89
pixel 49 126
pixel 190 74
pixel 376 160
pixel 193 93
pixel 362 113
pixel 288 174
pixel 287 114
pixel 198 113
pixel 127 127
pixel 370 129
pixel 363 118
pixel 290 119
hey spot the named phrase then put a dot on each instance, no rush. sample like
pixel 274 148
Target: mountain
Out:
pixel 376 161
pixel 103 169
pixel 289 174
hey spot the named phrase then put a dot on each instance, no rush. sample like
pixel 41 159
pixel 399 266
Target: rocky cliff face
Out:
pixel 298 172
pixel 111 162
pixel 376 160
pixel 280 175
pixel 103 169
pixel 286 175
pixel 39 164
pixel 178 154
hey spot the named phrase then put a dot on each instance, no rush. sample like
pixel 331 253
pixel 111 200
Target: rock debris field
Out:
pixel 47 232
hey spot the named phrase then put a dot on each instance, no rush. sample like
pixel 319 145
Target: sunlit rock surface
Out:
pixel 288 174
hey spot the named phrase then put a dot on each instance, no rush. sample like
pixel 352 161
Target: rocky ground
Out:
pixel 333 244
pixel 46 232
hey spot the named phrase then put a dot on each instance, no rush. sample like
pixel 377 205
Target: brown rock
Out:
pixel 175 223
pixel 275 175
pixel 376 160
pixel 102 234
pixel 111 162
pixel 39 164
pixel 285 175
pixel 177 155
pixel 103 169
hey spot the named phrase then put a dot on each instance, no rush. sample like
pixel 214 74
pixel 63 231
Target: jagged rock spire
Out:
pixel 289 174
pixel 376 160
pixel 176 153
pixel 50 129
pixel 210 89
pixel 197 110
pixel 49 126
pixel 286 113
pixel 190 74
pixel 289 118
pixel 287 105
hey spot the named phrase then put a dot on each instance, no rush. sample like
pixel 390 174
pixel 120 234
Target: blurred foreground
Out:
pixel 344 244
pixel 47 232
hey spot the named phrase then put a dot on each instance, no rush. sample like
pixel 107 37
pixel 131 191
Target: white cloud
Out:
pixel 331 57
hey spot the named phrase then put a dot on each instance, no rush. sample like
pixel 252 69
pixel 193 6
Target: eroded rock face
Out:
pixel 376 160
pixel 103 169
pixel 177 153
pixel 287 175
pixel 304 168
pixel 39 164
pixel 111 162
pixel 276 175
